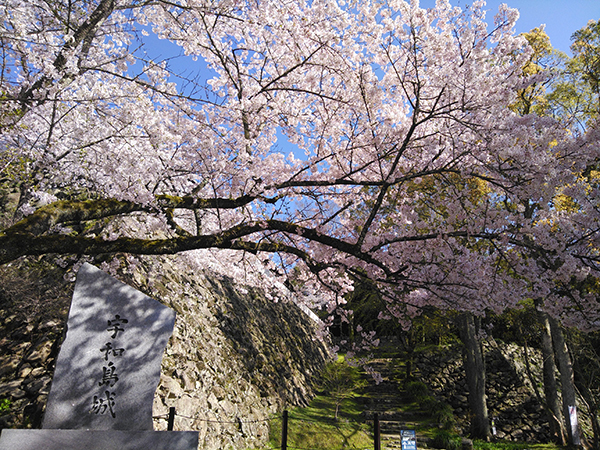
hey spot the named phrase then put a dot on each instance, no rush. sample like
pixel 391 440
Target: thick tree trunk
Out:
pixel 553 410
pixel 408 344
pixel 592 408
pixel 567 379
pixel 475 373
pixel 586 382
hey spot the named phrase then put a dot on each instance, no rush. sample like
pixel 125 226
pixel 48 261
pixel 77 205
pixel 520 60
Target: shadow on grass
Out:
pixel 314 427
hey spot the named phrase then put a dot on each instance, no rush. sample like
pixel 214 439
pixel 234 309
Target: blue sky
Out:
pixel 561 17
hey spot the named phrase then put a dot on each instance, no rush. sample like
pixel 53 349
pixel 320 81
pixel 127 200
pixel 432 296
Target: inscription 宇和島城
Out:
pixel 105 402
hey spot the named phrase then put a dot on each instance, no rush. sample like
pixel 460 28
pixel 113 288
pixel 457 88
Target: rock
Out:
pixel 228 408
pixel 5 421
pixel 8 366
pixel 461 399
pixel 50 325
pixel 510 395
pixel 213 402
pixel 467 444
pixel 18 394
pixel 7 388
pixel 219 392
pixel 115 333
pixel 172 387
pixel 10 322
pixel 37 372
pixel 39 386
pixel 25 371
pixel 187 407
pixel 40 353
pixel 17 347
pixel 188 383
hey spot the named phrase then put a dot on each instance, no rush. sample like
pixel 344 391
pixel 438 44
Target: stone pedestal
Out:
pixel 97 440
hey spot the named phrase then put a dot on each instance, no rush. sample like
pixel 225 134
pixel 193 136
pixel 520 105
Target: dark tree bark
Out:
pixel 586 365
pixel 592 408
pixel 555 418
pixel 567 380
pixel 475 373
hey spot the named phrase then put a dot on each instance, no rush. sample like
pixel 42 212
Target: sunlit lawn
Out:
pixel 314 427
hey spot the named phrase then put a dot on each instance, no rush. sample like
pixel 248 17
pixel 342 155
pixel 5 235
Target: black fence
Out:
pixel 284 427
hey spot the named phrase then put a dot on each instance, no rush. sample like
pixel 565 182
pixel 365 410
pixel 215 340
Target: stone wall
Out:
pixel 235 357
pixel 512 401
pixel 34 301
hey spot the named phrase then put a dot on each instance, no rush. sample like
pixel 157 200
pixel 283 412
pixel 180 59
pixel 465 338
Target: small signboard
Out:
pixel 409 439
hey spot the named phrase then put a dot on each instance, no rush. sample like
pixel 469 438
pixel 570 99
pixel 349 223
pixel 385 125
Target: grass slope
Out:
pixel 314 427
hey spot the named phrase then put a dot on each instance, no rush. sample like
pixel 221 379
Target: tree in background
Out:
pixel 542 66
pixel 574 96
pixel 586 62
pixel 569 92
pixel 341 381
pixel 475 374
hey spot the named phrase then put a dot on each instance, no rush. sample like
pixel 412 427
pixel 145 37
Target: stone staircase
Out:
pixel 387 399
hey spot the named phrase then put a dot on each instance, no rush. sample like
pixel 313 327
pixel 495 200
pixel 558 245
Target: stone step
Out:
pixel 388 416
pixel 389 426
pixel 387 400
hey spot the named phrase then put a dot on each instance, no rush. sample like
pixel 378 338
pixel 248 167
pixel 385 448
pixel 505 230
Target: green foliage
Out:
pixel 434 326
pixel 586 54
pixel 313 428
pixel 341 381
pixel 570 89
pixel 416 390
pixel 520 325
pixel 366 303
pixel 443 439
pixel 533 98
pixel 575 93
pixel 4 405
pixel 441 412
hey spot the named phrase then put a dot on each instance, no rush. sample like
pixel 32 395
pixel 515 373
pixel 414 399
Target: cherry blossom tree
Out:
pixel 350 139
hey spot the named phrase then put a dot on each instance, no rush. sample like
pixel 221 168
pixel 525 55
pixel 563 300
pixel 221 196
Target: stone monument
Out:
pixel 106 373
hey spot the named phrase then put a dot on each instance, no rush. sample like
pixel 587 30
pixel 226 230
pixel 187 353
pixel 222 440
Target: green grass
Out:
pixel 507 445
pixel 314 427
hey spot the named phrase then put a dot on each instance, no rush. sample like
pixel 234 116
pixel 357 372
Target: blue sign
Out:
pixel 409 439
